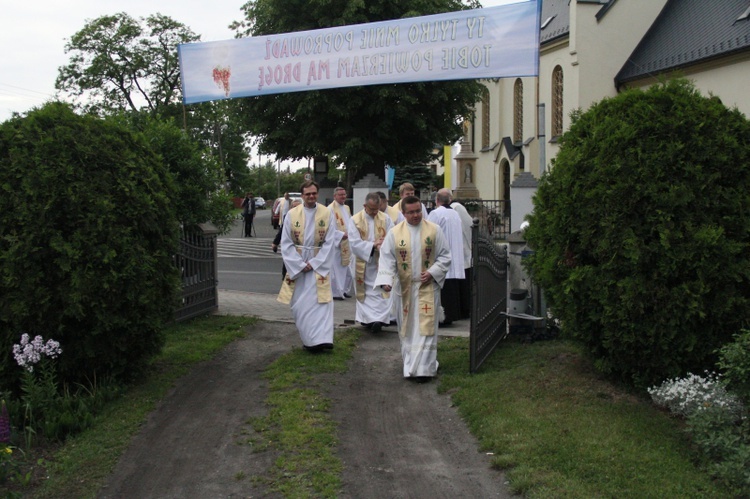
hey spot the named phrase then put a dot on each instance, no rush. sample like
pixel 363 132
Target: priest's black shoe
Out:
pixel 322 347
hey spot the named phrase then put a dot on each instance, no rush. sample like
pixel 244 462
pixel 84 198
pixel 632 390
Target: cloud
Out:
pixel 33 37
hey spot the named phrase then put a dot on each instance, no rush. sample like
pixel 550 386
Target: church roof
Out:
pixel 689 32
pixel 555 20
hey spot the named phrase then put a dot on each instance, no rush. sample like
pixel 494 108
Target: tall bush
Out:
pixel 641 231
pixel 199 195
pixel 87 234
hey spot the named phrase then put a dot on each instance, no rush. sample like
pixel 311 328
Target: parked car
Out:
pixel 276 213
pixel 260 203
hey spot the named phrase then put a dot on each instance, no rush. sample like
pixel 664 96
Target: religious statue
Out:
pixel 467 174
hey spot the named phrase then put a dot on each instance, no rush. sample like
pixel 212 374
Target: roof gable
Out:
pixel 687 32
pixel 555 20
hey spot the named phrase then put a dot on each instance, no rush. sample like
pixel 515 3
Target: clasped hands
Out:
pixel 424 278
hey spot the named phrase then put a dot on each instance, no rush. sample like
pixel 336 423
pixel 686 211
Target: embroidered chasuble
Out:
pixel 297 225
pixel 426 295
pixel 360 222
pixel 341 225
pixel 393 212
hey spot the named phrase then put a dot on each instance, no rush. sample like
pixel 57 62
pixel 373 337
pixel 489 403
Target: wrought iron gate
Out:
pixel 488 296
pixel 196 260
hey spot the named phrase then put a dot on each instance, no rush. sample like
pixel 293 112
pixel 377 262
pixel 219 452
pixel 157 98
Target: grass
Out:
pixel 298 426
pixel 82 465
pixel 553 425
pixel 558 430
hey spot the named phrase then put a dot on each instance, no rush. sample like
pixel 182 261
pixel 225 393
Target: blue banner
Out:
pixel 390 174
pixel 497 42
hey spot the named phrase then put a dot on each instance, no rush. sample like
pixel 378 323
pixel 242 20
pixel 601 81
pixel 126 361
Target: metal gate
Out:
pixel 196 261
pixel 488 296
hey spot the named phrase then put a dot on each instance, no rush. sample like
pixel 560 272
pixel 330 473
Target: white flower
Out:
pixel 28 353
pixel 684 396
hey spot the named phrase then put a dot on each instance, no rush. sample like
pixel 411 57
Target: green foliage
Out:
pixel 46 411
pixel 363 127
pixel 199 195
pixel 641 231
pixel 87 234
pixel 420 176
pixel 221 130
pixel 724 444
pixel 264 180
pixel 734 361
pixel 119 63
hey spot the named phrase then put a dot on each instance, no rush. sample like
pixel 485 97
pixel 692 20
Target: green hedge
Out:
pixel 87 234
pixel 641 231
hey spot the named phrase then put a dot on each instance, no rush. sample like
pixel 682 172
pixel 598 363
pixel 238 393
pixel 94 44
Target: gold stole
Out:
pixel 392 212
pixel 402 238
pixel 398 206
pixel 363 227
pixel 322 216
pixel 341 225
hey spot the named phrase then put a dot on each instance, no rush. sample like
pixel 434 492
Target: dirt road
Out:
pixel 396 438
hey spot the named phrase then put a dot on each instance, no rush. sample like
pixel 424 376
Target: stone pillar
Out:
pixel 466 163
pixel 368 183
pixel 522 191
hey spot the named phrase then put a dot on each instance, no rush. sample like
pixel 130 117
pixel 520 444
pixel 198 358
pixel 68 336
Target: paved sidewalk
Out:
pixel 266 307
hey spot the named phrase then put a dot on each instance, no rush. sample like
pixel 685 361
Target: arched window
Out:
pixel 485 118
pixel 557 102
pixel 518 111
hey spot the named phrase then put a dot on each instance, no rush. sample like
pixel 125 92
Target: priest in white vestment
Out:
pixel 467 222
pixel 394 213
pixel 404 191
pixel 307 248
pixel 396 217
pixel 416 254
pixel 450 223
pixel 367 230
pixel 342 282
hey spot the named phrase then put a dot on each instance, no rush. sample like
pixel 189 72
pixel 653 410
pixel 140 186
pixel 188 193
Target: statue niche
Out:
pixel 467 174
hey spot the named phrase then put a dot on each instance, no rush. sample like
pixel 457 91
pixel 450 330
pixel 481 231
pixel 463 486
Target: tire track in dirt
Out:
pixel 398 438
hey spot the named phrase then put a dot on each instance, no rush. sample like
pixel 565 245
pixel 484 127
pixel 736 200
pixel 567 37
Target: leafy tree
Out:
pixel 118 62
pixel 221 130
pixel 362 127
pixel 263 181
pixel 87 235
pixel 268 182
pixel 641 231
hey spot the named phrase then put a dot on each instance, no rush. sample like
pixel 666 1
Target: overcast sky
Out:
pixel 33 36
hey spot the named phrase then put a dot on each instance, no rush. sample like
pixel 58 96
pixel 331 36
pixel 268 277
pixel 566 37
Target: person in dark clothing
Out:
pixel 248 213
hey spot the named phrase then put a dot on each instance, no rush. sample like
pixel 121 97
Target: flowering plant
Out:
pixel 28 353
pixel 40 387
pixel 686 396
